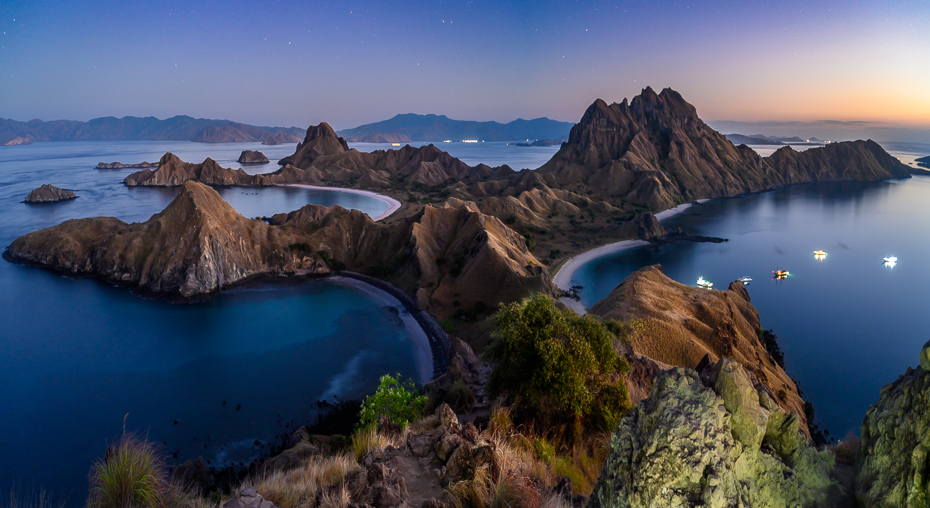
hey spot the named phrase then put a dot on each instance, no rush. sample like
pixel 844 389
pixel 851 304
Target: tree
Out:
pixel 395 399
pixel 558 364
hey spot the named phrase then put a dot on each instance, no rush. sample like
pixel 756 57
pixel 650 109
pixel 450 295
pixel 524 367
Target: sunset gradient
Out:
pixel 348 63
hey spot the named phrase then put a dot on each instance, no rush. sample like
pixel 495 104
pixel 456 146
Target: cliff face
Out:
pixel 17 140
pixel 48 193
pixel 712 439
pixel 679 324
pixel 891 464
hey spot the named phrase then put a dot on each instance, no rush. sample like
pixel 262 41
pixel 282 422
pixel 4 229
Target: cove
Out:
pixel 847 324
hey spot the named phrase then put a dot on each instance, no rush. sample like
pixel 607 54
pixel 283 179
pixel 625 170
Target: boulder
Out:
pixel 691 444
pixel 249 498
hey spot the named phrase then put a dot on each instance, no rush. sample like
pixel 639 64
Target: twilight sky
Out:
pixel 348 63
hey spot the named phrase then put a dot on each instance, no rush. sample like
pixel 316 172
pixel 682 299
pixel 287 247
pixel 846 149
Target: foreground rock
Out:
pixel 16 141
pixel 49 194
pixel 892 466
pixel 119 165
pixel 252 157
pixel 249 498
pixel 682 324
pixel 713 439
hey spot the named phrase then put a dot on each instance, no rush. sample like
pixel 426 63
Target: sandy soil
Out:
pixel 417 335
pixel 393 204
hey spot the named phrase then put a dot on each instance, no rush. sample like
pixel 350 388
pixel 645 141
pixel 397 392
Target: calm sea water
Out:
pixel 848 324
pixel 80 355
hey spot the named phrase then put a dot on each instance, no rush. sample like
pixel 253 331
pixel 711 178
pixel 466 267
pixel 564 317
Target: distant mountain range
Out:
pixel 440 128
pixel 177 128
pixel 761 139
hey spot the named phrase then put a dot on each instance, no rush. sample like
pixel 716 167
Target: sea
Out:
pixel 84 360
pixel 848 323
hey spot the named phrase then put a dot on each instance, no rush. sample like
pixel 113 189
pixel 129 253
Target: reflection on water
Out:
pixel 847 324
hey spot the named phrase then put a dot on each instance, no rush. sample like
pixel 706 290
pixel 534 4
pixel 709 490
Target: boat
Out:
pixel 780 274
pixel 745 279
pixel 890 261
pixel 819 255
pixel 706 284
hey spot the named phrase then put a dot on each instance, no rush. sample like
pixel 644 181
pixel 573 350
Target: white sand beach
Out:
pixel 393 204
pixel 563 278
pixel 417 335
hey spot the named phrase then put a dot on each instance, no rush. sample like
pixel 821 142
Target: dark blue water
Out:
pixel 76 356
pixel 848 324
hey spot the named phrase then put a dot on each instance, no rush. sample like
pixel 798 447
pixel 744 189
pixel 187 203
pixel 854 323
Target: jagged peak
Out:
pixel 169 158
pixel 195 195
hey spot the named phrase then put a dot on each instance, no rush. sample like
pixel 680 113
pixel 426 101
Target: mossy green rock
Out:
pixel 689 445
pixel 892 464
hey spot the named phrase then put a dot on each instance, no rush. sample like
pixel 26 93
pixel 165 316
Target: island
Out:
pixel 380 137
pixel 252 157
pixel 923 162
pixel 120 165
pixel 49 194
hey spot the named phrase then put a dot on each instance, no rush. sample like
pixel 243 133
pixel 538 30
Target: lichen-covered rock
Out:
pixel 689 445
pixel 892 464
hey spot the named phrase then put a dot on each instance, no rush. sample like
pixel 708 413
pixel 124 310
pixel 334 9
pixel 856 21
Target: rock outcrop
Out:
pixel 892 466
pixel 120 165
pixel 252 157
pixel 681 324
pixel 379 137
pixel 645 227
pixel 712 439
pixel 320 140
pixel 49 194
pixel 197 245
pixel 16 141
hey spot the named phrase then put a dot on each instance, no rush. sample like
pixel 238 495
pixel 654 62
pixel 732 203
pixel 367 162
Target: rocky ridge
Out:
pixel 713 439
pixel 48 193
pixel 199 244
pixel 679 325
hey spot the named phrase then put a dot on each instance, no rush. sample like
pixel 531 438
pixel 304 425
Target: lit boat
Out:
pixel 819 255
pixel 395 144
pixel 745 279
pixel 781 274
pixel 706 284
pixel 890 261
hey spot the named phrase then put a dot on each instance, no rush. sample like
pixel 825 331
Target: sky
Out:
pixel 284 63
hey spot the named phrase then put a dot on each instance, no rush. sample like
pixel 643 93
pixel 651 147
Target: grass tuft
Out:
pixel 132 475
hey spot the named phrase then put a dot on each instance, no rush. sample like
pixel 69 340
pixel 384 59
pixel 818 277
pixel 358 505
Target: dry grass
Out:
pixel 845 450
pixel 367 440
pixel 337 499
pixel 29 498
pixel 180 497
pixel 131 475
pixel 298 487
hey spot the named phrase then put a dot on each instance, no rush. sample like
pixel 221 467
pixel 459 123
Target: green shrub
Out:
pixel 395 399
pixel 544 450
pixel 556 364
pixel 132 475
